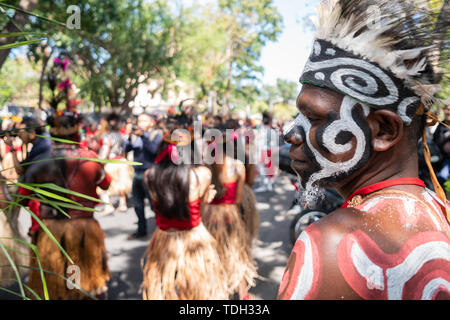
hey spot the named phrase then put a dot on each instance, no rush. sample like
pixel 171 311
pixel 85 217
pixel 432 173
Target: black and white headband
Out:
pixel 339 70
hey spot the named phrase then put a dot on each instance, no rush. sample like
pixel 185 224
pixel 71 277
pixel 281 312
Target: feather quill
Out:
pixel 399 36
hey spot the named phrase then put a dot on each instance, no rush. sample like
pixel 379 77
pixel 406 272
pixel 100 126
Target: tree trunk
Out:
pixel 18 21
pixel 226 106
pixel 45 60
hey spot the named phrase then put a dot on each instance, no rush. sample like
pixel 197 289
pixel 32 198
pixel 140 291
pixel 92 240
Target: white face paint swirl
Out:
pixel 343 71
pixel 403 108
pixel 350 87
pixel 328 169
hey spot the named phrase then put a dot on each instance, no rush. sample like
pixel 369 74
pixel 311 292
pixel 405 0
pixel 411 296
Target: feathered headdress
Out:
pixel 63 123
pixel 387 54
pixel 384 53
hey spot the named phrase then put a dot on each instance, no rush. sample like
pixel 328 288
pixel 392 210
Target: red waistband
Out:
pixel 230 194
pixel 195 218
pixel 383 185
pixel 223 201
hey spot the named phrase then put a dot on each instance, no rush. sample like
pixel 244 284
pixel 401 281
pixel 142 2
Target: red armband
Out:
pixel 34 207
pixel 104 184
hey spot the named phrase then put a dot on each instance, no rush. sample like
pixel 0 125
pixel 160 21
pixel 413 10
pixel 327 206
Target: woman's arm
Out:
pixel 240 182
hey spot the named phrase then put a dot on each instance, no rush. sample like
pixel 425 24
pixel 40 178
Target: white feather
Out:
pixel 373 44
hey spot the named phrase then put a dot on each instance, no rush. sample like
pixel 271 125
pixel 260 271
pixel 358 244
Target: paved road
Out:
pixel 271 251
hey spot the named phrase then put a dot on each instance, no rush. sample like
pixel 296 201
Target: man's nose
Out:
pixel 293 136
pixel 295 139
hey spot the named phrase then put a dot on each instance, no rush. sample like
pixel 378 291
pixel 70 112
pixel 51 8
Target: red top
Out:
pixel 88 176
pixel 383 185
pixel 194 211
pixel 8 148
pixel 230 195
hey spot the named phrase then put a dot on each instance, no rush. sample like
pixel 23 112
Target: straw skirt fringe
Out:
pixel 17 251
pixel 83 240
pixel 121 178
pixel 250 214
pixel 226 226
pixel 183 265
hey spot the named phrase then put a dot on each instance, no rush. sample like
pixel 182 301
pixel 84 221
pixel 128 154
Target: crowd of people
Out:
pixel 206 213
pixel 365 106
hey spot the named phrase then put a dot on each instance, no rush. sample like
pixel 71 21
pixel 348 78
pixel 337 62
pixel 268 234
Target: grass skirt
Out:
pixel 17 251
pixel 224 223
pixel 121 178
pixel 83 240
pixel 183 265
pixel 250 214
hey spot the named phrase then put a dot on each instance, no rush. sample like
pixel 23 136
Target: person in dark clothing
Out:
pixel 441 138
pixel 144 142
pixel 30 130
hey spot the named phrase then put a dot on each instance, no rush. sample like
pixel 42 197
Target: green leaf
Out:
pixel 57 139
pixel 47 231
pixel 36 252
pixel 55 206
pixel 31 14
pixel 131 163
pixel 14 267
pixel 62 277
pixel 18 34
pixel 19 44
pixel 54 187
pixel 44 192
pixel 26 287
pixel 14 293
pixel 50 202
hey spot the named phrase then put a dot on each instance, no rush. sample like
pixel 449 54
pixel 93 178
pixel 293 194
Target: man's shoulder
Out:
pixel 340 221
pixel 332 228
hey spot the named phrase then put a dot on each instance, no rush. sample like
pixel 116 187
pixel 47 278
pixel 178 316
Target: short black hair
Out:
pixel 267 117
pixel 32 124
pixel 113 116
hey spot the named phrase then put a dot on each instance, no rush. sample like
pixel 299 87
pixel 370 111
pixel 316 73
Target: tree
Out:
pixel 270 95
pixel 18 82
pixel 202 56
pixel 121 44
pixel 249 26
pixel 15 24
pixel 284 92
pixel 287 91
pixel 221 46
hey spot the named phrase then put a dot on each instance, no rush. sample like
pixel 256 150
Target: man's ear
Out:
pixel 387 129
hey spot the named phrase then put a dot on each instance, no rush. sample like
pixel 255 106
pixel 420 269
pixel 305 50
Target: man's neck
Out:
pixel 379 171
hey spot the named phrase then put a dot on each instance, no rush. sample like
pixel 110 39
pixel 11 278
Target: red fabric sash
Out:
pixel 230 195
pixel 383 185
pixel 194 210
pixel 170 150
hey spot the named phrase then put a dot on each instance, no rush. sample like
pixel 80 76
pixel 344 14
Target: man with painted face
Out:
pixel 366 94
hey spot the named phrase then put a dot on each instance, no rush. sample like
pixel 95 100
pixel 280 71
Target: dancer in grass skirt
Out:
pixel 182 260
pixel 223 218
